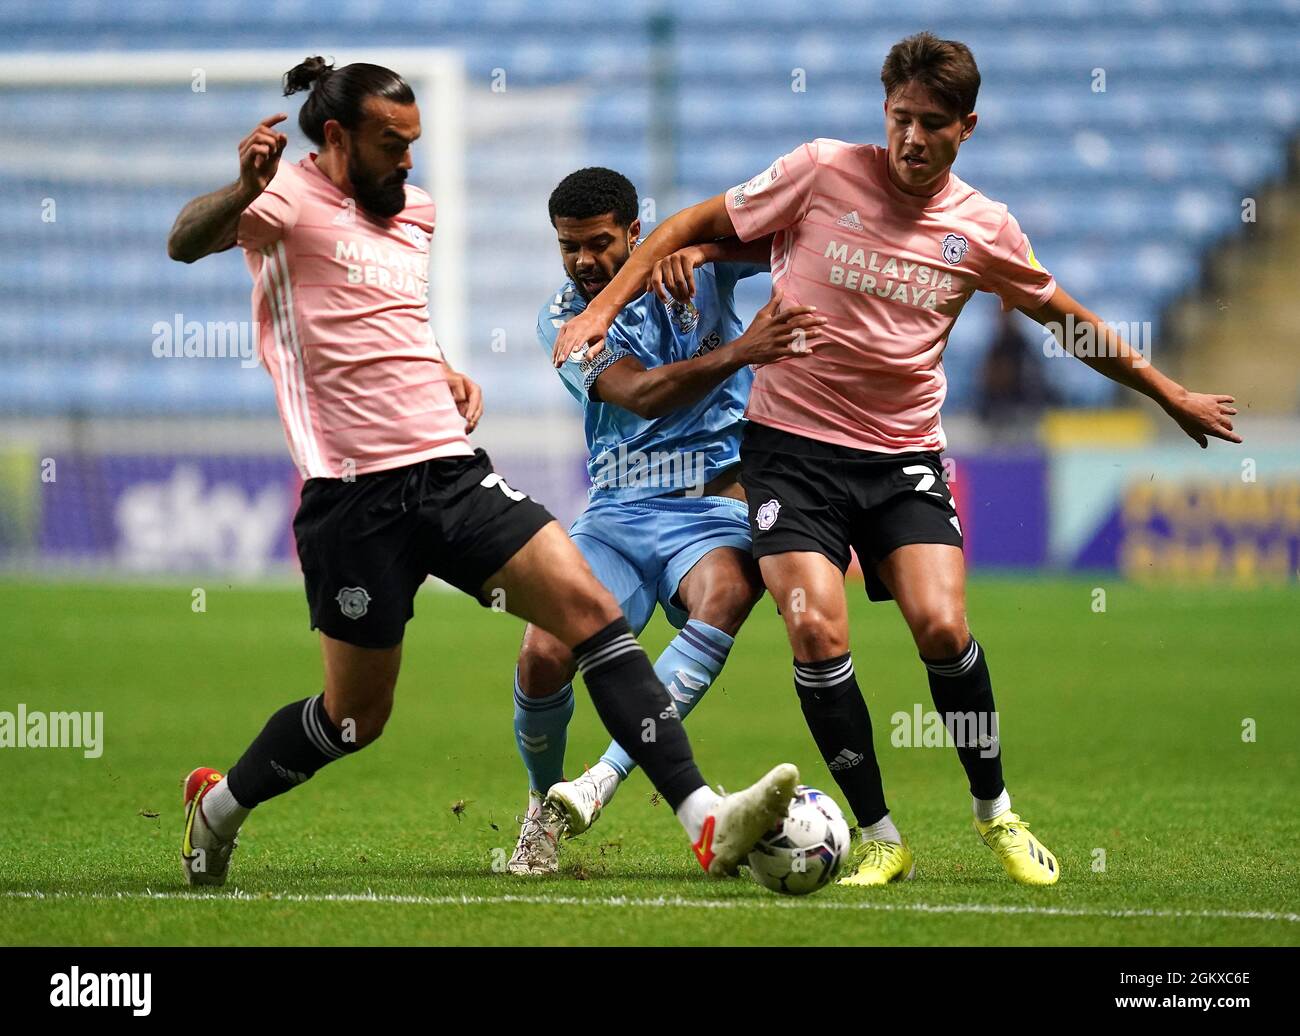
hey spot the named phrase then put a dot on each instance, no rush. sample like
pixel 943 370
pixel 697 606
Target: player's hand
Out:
pixel 673 277
pixel 776 334
pixel 586 330
pixel 259 155
pixel 468 397
pixel 1202 414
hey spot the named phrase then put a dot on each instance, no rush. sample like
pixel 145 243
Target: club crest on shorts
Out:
pixel 766 516
pixel 354 602
pixel 954 247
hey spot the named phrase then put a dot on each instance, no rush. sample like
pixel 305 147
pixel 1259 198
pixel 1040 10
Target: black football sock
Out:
pixel 963 695
pixel 637 711
pixel 295 743
pixel 836 714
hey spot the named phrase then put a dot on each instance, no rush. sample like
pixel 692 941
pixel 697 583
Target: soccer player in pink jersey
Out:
pixel 338 247
pixel 842 450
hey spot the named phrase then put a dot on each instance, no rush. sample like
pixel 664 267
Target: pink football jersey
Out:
pixel 891 271
pixel 341 302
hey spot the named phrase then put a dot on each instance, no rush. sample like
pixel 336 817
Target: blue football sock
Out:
pixel 687 667
pixel 541 732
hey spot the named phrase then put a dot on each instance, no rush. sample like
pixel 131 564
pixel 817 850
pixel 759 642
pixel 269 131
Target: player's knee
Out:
pixel 585 607
pixel 941 634
pixel 815 635
pixel 361 717
pixel 544 669
pixel 368 729
pixel 372 719
pixel 726 605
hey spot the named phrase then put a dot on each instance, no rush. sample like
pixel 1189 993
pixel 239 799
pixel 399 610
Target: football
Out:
pixel 806 850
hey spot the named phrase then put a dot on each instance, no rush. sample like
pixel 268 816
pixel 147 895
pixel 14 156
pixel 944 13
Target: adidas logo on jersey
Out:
pixel 846 759
pixel 850 220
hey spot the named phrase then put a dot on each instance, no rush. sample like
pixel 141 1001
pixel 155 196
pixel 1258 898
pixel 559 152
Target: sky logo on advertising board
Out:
pixel 92 989
pixel 179 522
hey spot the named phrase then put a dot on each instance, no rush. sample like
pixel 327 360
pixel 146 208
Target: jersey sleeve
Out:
pixel 549 322
pixel 728 275
pixel 271 215
pixel 1015 275
pixel 616 347
pixel 776 198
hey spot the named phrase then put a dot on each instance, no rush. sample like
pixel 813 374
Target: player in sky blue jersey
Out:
pixel 667 521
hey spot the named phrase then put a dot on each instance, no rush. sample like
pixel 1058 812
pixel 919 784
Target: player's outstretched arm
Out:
pixel 1199 414
pixel 707 221
pixel 774 336
pixel 209 223
pixel 673 276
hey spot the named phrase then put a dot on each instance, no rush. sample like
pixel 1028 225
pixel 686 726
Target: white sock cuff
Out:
pixel 987 809
pixel 883 830
pixel 694 808
pixel 222 810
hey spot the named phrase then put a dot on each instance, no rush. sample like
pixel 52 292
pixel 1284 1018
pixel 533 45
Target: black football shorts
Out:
pixel 367 544
pixel 806 495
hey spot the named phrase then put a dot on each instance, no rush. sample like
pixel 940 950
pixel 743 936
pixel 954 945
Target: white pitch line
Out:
pixel 674 902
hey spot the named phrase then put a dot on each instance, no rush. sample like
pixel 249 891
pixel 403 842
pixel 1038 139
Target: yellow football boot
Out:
pixel 879 863
pixel 1023 856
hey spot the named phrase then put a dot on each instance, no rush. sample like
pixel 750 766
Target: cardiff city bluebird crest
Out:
pixel 766 516
pixel 353 601
pixel 416 235
pixel 954 247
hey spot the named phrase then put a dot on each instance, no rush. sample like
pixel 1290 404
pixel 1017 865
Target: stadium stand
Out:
pixel 1123 191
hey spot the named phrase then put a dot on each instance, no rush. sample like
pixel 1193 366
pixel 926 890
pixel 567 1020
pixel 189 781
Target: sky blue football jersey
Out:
pixel 631 457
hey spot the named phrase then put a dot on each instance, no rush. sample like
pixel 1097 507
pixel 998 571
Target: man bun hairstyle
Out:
pixel 592 192
pixel 944 67
pixel 340 93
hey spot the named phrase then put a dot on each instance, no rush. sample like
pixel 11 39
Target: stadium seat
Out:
pixel 1122 190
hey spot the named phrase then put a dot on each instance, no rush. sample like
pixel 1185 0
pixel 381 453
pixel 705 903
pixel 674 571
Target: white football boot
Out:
pixel 575 805
pixel 738 821
pixel 537 851
pixel 205 856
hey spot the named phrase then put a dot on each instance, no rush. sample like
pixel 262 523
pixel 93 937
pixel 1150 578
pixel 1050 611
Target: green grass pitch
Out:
pixel 1122 734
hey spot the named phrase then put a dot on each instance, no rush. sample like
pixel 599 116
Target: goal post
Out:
pixel 436 75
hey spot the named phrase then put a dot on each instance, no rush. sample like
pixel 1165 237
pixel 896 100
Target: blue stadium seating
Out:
pixel 1123 191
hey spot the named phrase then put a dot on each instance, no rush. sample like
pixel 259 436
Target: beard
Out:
pixel 381 197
